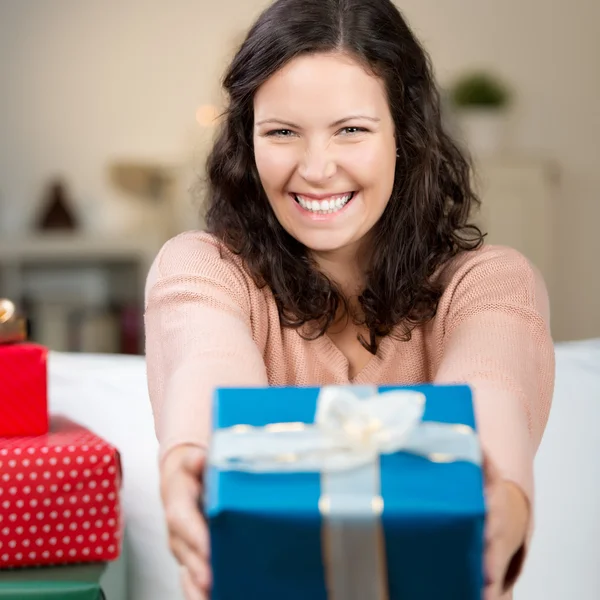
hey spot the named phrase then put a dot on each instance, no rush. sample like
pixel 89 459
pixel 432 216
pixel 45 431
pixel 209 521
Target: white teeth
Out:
pixel 334 204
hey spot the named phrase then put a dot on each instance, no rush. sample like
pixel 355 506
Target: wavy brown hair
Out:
pixel 426 221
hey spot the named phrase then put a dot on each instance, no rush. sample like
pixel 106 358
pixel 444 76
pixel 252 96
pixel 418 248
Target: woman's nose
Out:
pixel 317 165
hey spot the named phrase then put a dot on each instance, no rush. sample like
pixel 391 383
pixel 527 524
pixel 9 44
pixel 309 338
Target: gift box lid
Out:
pixel 64 437
pixel 245 492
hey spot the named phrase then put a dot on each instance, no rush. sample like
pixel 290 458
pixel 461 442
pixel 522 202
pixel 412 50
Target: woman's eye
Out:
pixel 280 133
pixel 353 130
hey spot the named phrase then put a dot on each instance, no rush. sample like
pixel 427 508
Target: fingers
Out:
pixel 186 523
pixel 180 491
pixel 493 530
pixel 190 589
pixel 188 532
pixel 197 566
pixel 492 569
pixel 492 563
pixel 494 520
pixel 495 551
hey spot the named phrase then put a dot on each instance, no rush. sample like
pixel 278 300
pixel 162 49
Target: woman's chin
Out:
pixel 325 241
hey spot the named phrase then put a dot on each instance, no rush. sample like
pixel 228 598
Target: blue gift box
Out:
pixel 266 529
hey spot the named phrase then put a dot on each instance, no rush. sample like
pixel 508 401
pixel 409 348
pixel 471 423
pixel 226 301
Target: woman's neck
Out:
pixel 348 272
pixel 344 268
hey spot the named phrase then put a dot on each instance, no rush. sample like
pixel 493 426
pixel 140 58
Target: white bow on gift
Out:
pixel 352 427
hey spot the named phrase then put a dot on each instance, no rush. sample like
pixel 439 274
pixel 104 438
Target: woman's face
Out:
pixel 325 149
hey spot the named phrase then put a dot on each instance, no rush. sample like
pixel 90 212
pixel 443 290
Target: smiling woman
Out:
pixel 339 251
pixel 333 139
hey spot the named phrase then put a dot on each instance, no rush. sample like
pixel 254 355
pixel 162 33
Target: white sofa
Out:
pixel 109 395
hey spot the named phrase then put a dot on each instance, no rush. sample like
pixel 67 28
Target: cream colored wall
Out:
pixel 549 49
pixel 83 82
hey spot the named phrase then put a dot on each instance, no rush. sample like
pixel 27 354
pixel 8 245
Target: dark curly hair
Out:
pixel 426 221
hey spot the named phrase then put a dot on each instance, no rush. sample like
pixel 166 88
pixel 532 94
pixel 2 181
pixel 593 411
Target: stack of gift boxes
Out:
pixel 59 482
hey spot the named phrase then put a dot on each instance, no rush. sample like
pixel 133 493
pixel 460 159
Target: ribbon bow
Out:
pixel 352 427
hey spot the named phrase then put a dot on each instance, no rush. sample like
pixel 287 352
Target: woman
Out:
pixel 339 250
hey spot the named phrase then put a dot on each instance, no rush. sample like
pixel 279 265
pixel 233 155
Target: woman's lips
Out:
pixel 326 206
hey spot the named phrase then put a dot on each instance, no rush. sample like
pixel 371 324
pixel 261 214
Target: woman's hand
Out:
pixel 181 475
pixel 506 529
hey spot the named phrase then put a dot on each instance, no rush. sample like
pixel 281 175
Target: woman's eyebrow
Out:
pixel 352 117
pixel 338 122
pixel 277 122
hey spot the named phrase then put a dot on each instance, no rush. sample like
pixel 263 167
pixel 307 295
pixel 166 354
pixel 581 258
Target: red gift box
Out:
pixel 23 389
pixel 59 498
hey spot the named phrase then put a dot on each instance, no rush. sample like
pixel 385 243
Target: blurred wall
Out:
pixel 549 50
pixel 84 82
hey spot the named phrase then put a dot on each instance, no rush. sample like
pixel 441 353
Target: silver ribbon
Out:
pixel 353 427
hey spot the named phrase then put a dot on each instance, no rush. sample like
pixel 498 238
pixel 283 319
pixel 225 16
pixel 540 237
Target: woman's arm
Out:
pixel 198 337
pixel 497 339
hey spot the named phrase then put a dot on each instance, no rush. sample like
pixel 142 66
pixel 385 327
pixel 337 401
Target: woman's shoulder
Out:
pixel 487 254
pixel 200 256
pixel 494 273
pixel 195 252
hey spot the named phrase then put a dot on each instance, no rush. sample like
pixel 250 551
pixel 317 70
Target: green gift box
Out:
pixel 71 582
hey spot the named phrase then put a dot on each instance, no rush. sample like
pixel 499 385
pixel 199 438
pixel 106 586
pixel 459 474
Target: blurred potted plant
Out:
pixel 481 102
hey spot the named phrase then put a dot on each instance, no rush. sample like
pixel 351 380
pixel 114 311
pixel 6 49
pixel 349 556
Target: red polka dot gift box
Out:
pixel 59 498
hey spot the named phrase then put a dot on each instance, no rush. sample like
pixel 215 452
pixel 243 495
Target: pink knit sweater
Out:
pixel 209 325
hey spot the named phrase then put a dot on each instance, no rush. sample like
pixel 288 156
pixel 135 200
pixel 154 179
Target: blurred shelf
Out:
pixel 81 293
pixel 76 248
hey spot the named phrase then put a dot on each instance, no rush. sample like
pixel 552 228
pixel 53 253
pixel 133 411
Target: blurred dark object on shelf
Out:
pixel 57 212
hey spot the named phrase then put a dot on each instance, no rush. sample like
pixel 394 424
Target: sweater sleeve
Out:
pixel 497 339
pixel 198 337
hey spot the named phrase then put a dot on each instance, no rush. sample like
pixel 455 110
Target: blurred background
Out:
pixel 107 112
